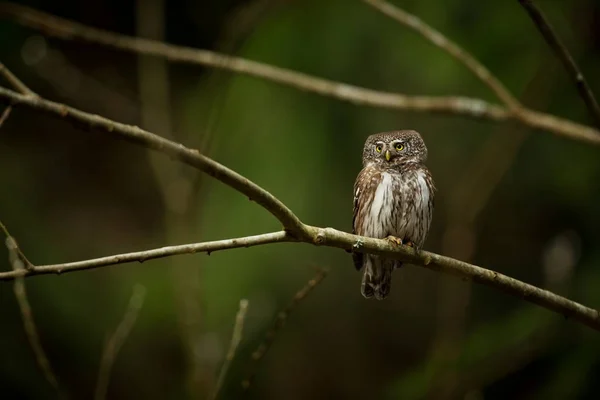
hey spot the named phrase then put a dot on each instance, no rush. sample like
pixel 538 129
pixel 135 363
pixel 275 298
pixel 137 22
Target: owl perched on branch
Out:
pixel 393 199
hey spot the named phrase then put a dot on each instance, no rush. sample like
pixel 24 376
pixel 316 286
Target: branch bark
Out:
pixel 457 105
pixel 294 229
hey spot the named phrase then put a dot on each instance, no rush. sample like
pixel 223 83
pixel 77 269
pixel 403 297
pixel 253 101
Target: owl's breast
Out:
pixel 382 210
pixel 417 207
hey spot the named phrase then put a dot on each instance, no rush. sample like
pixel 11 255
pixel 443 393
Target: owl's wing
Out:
pixel 359 189
pixel 363 188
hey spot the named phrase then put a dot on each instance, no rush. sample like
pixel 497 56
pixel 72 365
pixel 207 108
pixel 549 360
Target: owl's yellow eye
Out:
pixel 378 148
pixel 399 146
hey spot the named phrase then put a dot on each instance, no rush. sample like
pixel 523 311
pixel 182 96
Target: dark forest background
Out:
pixel 521 202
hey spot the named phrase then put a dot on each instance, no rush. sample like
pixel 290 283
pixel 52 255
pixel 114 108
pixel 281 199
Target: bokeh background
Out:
pixel 521 202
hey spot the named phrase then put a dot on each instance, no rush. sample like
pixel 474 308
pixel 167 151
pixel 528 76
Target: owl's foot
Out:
pixel 359 243
pixel 410 244
pixel 394 239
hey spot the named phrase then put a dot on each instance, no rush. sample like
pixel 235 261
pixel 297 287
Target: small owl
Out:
pixel 393 199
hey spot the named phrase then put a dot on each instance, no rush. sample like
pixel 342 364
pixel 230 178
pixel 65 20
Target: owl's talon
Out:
pixel 410 244
pixel 359 243
pixel 394 239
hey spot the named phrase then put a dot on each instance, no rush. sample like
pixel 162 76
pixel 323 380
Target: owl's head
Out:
pixel 394 148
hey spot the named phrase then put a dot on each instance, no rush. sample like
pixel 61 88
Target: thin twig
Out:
pixel 301 232
pixel 26 263
pixel 475 108
pixel 17 85
pixel 14 81
pixel 564 56
pixel 5 115
pixel 236 338
pixel 18 264
pixel 116 341
pixel 441 41
pixel 279 323
pixel 141 256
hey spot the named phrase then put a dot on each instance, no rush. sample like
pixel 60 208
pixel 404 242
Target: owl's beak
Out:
pixel 388 155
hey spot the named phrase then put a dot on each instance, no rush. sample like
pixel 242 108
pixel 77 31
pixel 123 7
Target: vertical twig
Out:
pixel 236 338
pixel 564 56
pixel 18 262
pixel 279 323
pixel 115 342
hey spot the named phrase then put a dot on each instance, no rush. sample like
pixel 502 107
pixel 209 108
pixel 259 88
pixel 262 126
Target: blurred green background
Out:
pixel 519 202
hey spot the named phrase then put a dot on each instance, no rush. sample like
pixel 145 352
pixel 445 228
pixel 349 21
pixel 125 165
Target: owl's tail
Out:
pixel 377 277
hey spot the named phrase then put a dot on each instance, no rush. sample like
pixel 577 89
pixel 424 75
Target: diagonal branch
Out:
pixel 14 81
pixel 188 156
pixel 295 229
pixel 17 85
pixel 5 114
pixel 441 41
pixel 19 263
pixel 116 341
pixel 470 107
pixel 280 321
pixel 236 338
pixel 141 256
pixel 564 56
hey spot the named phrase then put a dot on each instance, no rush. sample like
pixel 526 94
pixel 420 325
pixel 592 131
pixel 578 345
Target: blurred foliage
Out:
pixel 70 195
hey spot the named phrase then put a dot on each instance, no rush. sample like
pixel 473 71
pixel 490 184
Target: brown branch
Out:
pixel 5 115
pixel 19 263
pixel 14 81
pixel 26 263
pixel 475 108
pixel 17 85
pixel 564 56
pixel 279 323
pixel 114 344
pixel 236 338
pixel 441 41
pixel 141 256
pixel 188 156
pixel 298 231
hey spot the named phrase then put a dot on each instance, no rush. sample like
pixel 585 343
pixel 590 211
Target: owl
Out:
pixel 393 199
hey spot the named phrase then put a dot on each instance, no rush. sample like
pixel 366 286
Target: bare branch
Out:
pixel 236 338
pixel 141 256
pixel 564 56
pixel 14 81
pixel 5 115
pixel 301 232
pixel 280 321
pixel 298 231
pixel 18 264
pixel 114 344
pixel 188 156
pixel 26 263
pixel 441 41
pixel 17 85
pixel 475 108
